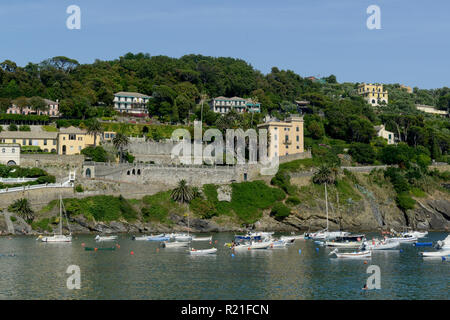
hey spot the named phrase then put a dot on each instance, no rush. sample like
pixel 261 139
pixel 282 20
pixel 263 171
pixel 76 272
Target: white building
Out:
pixel 224 105
pixel 432 110
pixel 131 102
pixel 382 132
pixel 10 154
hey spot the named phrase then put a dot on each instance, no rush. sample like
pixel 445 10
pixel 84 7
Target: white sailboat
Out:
pixel 59 237
pixel 326 234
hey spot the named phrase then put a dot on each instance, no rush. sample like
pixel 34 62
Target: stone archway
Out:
pixel 11 163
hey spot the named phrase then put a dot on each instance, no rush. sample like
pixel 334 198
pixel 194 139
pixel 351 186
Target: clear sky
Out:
pixel 310 37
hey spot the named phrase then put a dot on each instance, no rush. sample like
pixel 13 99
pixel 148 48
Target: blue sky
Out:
pixel 310 37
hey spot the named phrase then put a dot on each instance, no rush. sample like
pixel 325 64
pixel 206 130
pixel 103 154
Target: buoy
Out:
pixel 401 250
pixel 299 251
pixel 83 244
pixel 232 254
pixel 132 252
pixel 95 249
pixel 317 249
pixel 118 245
pixel 365 262
pixel 443 259
pixel 210 242
pixel 157 249
pixel 249 248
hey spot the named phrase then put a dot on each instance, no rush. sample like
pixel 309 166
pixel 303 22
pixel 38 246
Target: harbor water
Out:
pixel 30 269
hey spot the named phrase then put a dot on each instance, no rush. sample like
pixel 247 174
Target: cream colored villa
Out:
pixel 286 137
pixel 373 93
pixel 72 140
pixel 382 132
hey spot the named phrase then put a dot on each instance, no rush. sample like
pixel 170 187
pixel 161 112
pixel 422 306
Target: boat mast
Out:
pixel 60 215
pixel 326 202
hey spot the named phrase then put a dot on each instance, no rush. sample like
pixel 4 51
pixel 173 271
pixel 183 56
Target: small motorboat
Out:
pixel 348 241
pixel 380 245
pixel 417 234
pixel 196 252
pixel 439 253
pixel 202 238
pixel 183 237
pixel 105 238
pixel 356 254
pixel 140 238
pixel 403 239
pixel 175 244
pixel 278 244
pixel 159 237
pixel 443 244
pixel 288 239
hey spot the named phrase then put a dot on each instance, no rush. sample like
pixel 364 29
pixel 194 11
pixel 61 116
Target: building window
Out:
pixel 298 138
pixel 14 140
pixel 298 129
pixel 30 142
pixel 72 137
pixel 13 150
pixel 24 142
pixel 45 142
pixel 54 142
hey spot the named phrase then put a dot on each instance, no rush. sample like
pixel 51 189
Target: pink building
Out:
pixel 53 109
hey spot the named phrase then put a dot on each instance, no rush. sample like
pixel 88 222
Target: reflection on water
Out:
pixel 38 271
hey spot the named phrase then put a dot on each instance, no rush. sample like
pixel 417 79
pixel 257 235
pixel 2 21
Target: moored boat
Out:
pixel 202 238
pixel 58 238
pixel 99 249
pixel 380 245
pixel 356 254
pixel 140 238
pixel 203 251
pixel 348 241
pixel 105 238
pixel 175 244
pixel 439 253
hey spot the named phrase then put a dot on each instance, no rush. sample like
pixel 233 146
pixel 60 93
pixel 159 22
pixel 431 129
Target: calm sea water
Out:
pixel 38 271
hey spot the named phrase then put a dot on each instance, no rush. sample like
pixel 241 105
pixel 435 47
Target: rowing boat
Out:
pixel 175 244
pixel 202 238
pixel 105 238
pixel 202 252
pixel 356 254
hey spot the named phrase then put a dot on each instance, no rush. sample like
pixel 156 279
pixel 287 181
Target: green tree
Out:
pixel 182 193
pixel 95 128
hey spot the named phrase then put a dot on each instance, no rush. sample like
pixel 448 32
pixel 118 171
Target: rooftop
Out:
pixel 28 135
pixel 131 94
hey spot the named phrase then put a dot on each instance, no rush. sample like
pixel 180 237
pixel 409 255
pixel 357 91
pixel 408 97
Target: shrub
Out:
pixel 12 127
pixel 280 211
pixel 362 153
pixel 293 201
pixel 283 180
pixel 24 128
pixel 249 198
pixel 155 213
pixel 205 209
pixel 97 154
pixel 79 188
pixel 404 201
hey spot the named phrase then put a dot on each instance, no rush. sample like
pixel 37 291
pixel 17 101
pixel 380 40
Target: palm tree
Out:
pixel 326 174
pixel 182 193
pixel 94 127
pixel 22 208
pixel 120 141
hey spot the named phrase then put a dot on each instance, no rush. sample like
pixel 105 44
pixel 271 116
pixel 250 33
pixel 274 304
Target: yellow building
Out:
pixel 72 140
pixel 46 141
pixel 285 137
pixel 373 93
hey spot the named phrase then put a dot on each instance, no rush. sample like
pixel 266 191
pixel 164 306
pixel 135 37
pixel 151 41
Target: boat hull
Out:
pixel 202 252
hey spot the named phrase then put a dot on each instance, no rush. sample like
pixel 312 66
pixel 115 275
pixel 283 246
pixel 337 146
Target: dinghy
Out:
pixel 288 239
pixel 196 252
pixel 403 239
pixel 105 238
pixel 202 238
pixel 175 244
pixel 348 241
pixel 183 237
pixel 356 254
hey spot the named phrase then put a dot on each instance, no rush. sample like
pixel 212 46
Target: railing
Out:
pixel 16 180
pixel 38 186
